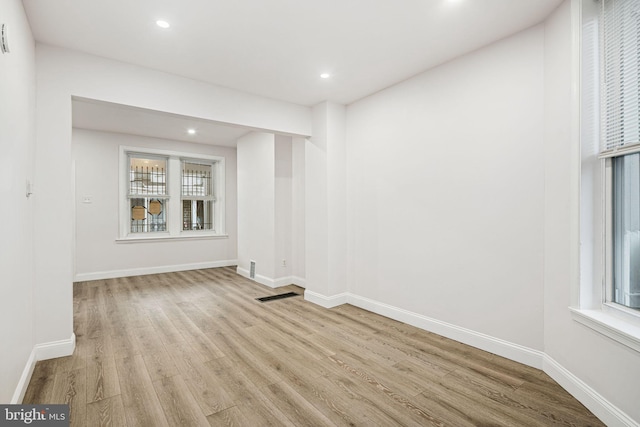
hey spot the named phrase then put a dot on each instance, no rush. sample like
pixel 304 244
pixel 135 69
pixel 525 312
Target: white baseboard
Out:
pixel 290 280
pixel 282 281
pixel 51 350
pixel 608 413
pixel 45 351
pixel 263 280
pixel 27 372
pixel 112 274
pixel 299 281
pixel 272 283
pixel 485 342
pixel 324 301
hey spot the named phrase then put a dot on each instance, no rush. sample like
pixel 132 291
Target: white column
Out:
pixel 325 206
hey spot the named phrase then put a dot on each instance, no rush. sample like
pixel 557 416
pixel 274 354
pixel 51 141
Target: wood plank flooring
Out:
pixel 196 349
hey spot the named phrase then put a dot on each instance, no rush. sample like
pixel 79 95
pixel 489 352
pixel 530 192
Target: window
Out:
pixel 197 196
pixel 609 171
pixel 626 230
pixel 147 194
pixel 170 195
pixel 620 148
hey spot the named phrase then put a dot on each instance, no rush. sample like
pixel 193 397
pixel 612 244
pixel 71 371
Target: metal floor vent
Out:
pixel 279 296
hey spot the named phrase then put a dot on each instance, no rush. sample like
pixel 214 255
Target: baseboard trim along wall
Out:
pixel 273 283
pixel 102 275
pixel 299 281
pixel 608 413
pixel 488 343
pixel 51 350
pixel 596 403
pixel 21 388
pixel 326 302
pixel 44 351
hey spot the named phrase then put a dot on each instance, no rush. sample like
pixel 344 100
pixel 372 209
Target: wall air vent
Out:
pixel 252 270
pixel 4 39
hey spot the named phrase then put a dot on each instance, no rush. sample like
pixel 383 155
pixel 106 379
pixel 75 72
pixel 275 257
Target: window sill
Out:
pixel 165 237
pixel 623 330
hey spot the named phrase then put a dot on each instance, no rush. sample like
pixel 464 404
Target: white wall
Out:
pixel 256 204
pixel 283 217
pixel 336 199
pixel 62 74
pixel 298 246
pixel 315 207
pixel 446 191
pixel 17 141
pixel 607 367
pixel 98 254
pixel 107 80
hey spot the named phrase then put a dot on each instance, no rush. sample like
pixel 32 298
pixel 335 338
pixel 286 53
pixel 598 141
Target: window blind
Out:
pixel 621 73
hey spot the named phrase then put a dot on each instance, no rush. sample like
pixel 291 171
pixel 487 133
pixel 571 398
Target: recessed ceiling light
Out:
pixel 191 131
pixel 162 24
pixel 325 75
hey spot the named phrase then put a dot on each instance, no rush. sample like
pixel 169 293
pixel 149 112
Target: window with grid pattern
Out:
pixel 147 193
pixel 170 194
pixel 197 196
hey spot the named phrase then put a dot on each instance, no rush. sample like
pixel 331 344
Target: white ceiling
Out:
pixel 109 117
pixel 278 48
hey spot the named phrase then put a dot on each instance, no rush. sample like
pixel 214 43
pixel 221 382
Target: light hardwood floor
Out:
pixel 196 349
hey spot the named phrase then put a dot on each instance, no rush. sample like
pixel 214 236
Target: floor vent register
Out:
pixel 276 297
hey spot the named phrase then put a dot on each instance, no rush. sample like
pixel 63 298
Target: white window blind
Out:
pixel 621 73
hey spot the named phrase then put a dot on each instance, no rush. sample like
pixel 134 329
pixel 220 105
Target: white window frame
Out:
pixel 594 306
pixel 174 200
